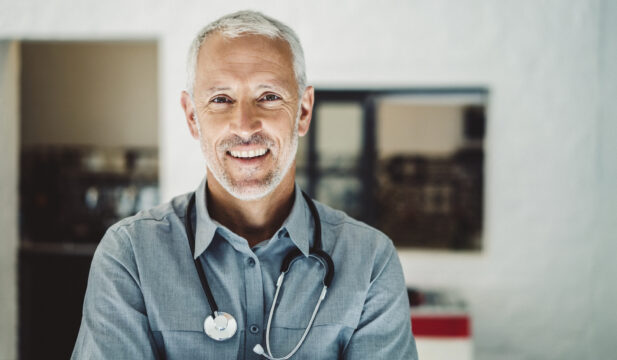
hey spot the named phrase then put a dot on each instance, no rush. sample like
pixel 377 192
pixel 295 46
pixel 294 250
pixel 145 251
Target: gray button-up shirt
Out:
pixel 145 301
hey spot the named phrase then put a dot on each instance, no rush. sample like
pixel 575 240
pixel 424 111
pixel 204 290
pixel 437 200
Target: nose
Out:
pixel 245 121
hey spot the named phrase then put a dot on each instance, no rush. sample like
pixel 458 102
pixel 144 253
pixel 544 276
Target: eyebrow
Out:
pixel 225 88
pixel 216 88
pixel 276 87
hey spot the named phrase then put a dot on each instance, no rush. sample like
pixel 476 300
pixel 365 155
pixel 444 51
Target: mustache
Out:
pixel 255 139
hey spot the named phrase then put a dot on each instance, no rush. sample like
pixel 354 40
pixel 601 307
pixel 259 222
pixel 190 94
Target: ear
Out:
pixel 189 114
pixel 306 110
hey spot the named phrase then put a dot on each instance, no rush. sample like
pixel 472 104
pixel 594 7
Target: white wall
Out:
pixel 603 239
pixel 543 286
pixel 9 143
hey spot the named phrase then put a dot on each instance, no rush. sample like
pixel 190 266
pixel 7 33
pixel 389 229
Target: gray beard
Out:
pixel 272 180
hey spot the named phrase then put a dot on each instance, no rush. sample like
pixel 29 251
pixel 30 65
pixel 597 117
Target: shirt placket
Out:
pixel 254 304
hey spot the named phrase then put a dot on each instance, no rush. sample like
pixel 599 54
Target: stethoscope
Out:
pixel 220 325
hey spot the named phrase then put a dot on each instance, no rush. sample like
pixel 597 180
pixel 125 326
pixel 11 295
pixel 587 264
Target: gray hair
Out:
pixel 254 23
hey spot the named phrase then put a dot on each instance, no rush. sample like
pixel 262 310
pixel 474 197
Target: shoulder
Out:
pixel 161 214
pixel 339 222
pixel 343 234
pixel 147 227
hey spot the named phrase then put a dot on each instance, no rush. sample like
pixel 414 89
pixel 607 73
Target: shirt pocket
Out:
pixel 177 323
pixel 188 344
pixel 322 341
pixel 335 320
pixel 299 294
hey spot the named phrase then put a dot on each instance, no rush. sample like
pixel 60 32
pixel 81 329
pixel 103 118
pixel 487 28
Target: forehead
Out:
pixel 245 57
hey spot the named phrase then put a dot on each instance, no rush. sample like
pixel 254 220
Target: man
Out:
pixel 247 102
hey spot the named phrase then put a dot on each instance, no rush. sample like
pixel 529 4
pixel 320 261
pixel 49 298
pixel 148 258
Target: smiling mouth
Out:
pixel 248 154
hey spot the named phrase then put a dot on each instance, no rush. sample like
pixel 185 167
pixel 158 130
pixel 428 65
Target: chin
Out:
pixel 253 189
pixel 247 193
pixel 248 190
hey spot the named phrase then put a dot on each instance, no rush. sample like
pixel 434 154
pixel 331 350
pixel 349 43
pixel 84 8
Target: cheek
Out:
pixel 211 146
pixel 208 135
pixel 282 113
pixel 206 144
pixel 282 125
pixel 291 112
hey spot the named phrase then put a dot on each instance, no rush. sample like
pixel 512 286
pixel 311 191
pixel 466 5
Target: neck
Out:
pixel 254 220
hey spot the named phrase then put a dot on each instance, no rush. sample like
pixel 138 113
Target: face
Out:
pixel 246 113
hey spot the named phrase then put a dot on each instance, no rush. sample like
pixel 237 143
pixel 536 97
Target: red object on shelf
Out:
pixel 441 325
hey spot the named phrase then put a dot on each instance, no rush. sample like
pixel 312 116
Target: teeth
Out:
pixel 248 154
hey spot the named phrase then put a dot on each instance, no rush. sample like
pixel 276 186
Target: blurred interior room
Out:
pixel 88 158
pixel 478 135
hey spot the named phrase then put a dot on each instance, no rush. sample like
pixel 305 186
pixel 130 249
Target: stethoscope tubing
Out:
pixel 200 270
pixel 316 251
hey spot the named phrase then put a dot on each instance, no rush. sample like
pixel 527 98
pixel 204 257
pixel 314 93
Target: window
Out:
pixel 409 162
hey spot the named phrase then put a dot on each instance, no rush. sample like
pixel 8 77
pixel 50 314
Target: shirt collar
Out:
pixel 298 224
pixel 205 226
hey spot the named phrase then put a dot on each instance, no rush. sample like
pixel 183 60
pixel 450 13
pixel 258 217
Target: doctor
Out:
pixel 199 277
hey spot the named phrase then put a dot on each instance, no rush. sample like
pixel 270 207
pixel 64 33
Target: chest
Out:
pixel 243 285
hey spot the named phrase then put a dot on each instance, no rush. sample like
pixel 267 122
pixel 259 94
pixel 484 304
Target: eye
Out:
pixel 271 97
pixel 221 100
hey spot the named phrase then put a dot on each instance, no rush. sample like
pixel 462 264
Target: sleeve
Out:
pixel 384 330
pixel 114 323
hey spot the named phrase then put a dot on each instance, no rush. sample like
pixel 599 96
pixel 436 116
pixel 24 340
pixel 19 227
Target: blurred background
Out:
pixel 479 135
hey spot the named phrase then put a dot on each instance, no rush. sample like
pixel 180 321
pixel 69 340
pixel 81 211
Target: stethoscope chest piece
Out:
pixel 220 328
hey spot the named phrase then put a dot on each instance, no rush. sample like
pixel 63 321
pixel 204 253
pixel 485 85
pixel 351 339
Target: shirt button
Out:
pixel 254 329
pixel 250 262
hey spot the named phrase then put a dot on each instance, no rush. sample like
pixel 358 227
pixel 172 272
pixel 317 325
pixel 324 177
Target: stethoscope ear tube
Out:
pixel 329 265
pixel 289 258
pixel 322 255
pixel 316 221
pixel 316 250
pixel 200 271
